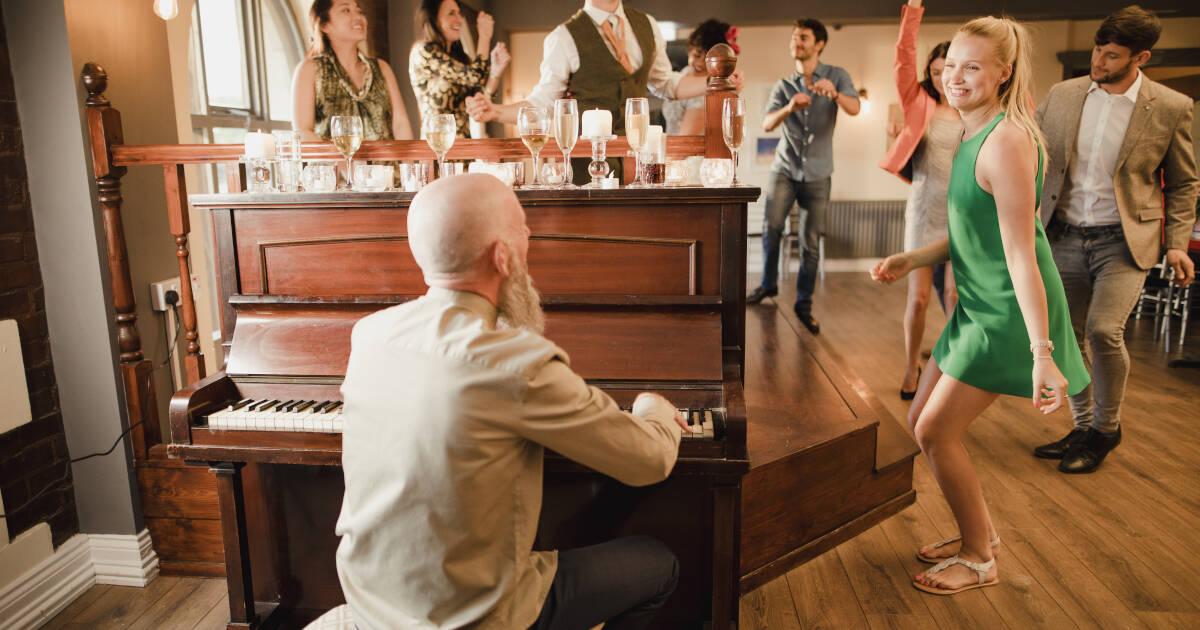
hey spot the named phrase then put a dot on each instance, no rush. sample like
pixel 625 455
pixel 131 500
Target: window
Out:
pixel 242 55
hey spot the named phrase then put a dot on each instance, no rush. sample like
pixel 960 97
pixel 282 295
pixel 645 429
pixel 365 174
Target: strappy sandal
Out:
pixel 938 545
pixel 980 568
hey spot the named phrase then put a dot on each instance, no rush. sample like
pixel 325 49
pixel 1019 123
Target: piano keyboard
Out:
pixel 700 420
pixel 311 416
pixel 305 416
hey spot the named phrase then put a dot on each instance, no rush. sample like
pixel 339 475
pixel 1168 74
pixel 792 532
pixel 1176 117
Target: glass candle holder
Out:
pixel 258 175
pixel 716 172
pixel 598 168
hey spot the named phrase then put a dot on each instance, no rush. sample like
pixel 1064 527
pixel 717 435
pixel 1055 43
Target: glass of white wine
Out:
pixel 733 126
pixel 440 131
pixel 533 124
pixel 346 132
pixel 637 122
pixel 566 133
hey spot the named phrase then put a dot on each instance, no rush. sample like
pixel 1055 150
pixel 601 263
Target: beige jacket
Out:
pixel 446 418
pixel 1156 166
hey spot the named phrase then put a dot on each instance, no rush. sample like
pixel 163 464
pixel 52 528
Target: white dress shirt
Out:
pixel 560 58
pixel 446 416
pixel 1091 199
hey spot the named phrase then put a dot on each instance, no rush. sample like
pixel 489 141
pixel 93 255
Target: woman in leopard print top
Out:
pixel 443 75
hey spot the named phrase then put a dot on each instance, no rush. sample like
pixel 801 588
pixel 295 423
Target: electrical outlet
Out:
pixel 158 293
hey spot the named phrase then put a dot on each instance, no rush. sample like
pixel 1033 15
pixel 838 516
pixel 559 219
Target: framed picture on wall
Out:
pixel 764 151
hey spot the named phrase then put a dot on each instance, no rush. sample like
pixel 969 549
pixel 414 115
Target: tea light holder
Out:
pixel 258 175
pixel 598 168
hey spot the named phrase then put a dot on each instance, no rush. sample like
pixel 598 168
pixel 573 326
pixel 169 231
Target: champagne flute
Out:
pixel 346 132
pixel 440 131
pixel 733 125
pixel 566 133
pixel 637 123
pixel 533 124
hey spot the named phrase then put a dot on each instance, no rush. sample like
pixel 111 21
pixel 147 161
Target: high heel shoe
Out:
pixel 913 394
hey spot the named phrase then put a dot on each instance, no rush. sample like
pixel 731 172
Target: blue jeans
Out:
pixel 1102 284
pixel 813 199
pixel 620 583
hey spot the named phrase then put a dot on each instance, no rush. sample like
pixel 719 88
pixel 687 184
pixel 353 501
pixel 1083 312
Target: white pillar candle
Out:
pixel 260 145
pixel 597 123
pixel 656 143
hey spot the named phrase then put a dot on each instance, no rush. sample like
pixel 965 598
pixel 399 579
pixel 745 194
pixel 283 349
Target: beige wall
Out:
pixel 130 42
pixel 866 52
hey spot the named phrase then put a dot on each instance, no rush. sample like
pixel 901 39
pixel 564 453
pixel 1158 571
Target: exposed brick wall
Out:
pixel 33 455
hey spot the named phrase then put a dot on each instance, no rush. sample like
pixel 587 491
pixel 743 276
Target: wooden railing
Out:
pixel 111 156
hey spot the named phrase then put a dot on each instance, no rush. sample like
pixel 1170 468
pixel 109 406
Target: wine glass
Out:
pixel 566 133
pixel 346 132
pixel 733 125
pixel 637 122
pixel 533 124
pixel 440 131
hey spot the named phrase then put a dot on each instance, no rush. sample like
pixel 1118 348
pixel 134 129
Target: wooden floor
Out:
pixel 1116 549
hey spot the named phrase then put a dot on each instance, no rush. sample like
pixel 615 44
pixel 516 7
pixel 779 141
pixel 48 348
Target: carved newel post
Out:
pixel 104 129
pixel 721 62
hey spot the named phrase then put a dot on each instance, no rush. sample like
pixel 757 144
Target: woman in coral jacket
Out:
pixel 922 154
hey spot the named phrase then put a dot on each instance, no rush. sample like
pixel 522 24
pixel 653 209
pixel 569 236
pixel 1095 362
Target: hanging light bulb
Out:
pixel 862 97
pixel 166 9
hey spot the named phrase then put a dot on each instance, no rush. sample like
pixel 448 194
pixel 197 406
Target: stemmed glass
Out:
pixel 733 124
pixel 566 133
pixel 533 124
pixel 637 122
pixel 440 130
pixel 346 132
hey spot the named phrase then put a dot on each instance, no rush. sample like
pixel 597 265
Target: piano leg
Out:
pixel 237 553
pixel 726 538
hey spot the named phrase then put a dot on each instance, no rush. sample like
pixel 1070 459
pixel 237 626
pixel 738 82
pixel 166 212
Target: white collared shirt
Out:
pixel 1092 199
pixel 446 416
pixel 560 58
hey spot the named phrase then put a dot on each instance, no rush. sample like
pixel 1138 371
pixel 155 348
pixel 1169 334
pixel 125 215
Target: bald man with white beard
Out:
pixel 449 401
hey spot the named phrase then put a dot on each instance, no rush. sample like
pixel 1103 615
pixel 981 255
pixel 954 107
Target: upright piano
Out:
pixel 644 288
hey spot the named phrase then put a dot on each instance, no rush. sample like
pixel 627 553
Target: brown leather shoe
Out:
pixel 809 322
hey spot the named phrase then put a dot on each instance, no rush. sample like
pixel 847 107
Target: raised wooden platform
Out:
pixel 816 434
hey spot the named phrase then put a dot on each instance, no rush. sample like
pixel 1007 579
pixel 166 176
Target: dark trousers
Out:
pixel 620 583
pixel 813 199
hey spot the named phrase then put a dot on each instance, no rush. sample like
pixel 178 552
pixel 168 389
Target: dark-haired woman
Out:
pixel 922 154
pixel 443 75
pixel 339 79
pixel 686 117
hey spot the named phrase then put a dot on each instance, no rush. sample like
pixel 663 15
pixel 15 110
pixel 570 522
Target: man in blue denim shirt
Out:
pixel 806 104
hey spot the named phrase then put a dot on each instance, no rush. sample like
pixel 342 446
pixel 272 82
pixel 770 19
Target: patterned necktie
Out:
pixel 617 42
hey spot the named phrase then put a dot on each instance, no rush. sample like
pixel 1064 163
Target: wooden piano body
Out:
pixel 643 288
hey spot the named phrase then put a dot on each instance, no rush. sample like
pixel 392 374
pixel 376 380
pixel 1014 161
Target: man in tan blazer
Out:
pixel 1119 160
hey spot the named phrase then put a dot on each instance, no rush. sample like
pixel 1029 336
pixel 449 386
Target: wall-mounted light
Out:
pixel 862 98
pixel 166 9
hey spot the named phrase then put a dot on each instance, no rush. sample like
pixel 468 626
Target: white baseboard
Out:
pixel 124 560
pixel 49 587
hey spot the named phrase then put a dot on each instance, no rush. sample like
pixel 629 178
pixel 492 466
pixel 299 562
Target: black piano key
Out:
pixel 304 405
pixel 291 406
pixel 321 407
pixel 260 405
pixel 334 407
pixel 242 403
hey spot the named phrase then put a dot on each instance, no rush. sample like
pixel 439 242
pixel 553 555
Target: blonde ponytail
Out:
pixel 1013 49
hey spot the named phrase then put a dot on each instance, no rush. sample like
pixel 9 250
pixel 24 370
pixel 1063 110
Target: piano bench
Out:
pixel 338 618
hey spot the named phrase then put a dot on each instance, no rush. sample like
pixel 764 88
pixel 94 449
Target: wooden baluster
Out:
pixel 234 177
pixel 177 217
pixel 721 62
pixel 104 129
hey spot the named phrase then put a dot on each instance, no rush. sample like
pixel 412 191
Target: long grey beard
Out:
pixel 520 305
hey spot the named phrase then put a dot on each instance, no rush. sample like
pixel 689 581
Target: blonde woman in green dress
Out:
pixel 1010 332
pixel 339 79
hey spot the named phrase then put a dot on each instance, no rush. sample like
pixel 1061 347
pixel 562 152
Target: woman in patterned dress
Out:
pixel 339 79
pixel 442 73
pixel 1010 293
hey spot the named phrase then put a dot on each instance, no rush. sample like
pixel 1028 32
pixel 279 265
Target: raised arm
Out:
pixel 904 69
pixel 1007 169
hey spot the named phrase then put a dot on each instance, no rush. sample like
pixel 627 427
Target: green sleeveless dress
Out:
pixel 985 342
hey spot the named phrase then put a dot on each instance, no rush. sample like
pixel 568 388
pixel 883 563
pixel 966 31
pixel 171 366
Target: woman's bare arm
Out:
pixel 304 100
pixel 401 129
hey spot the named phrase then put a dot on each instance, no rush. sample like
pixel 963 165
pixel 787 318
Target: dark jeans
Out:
pixel 813 199
pixel 620 583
